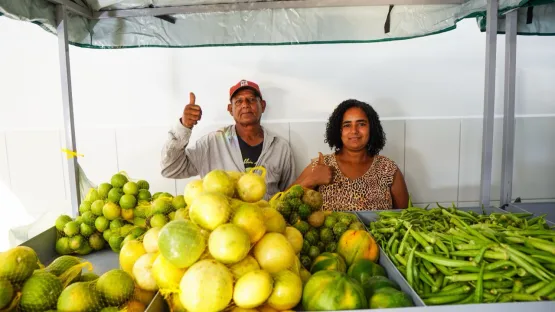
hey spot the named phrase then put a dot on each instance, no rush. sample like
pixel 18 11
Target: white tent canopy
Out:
pixel 193 23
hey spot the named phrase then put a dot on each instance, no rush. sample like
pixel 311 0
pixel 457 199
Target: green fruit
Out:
pixel 306 261
pixel 92 195
pixel 331 247
pixel 144 195
pixel 311 238
pixel 76 242
pixel 110 309
pixel 107 234
pixel 62 221
pixel 101 223
pixel 128 238
pixel 118 180
pixel 306 247
pixel 125 229
pixel 390 298
pixel 96 241
pixel 313 252
pixel 85 206
pixel 131 188
pixel 87 230
pixel 339 228
pixel 295 191
pixel 116 224
pixel 128 201
pixel 111 211
pixel 115 195
pixel 87 277
pixel 363 269
pixel 158 220
pixel 328 261
pixel 295 203
pixel 181 235
pixel 138 231
pixel 116 286
pixel 96 207
pixel 88 218
pixel 18 263
pixel 115 242
pixel 40 292
pixel 161 205
pixel 62 246
pixel 103 190
pixel 330 222
pixel 313 199
pixel 374 283
pixel 302 226
pixel 345 220
pixel 6 293
pixel 326 235
pixel 357 226
pixel 304 211
pixel 332 291
pixel 143 185
pixel 284 208
pixel 294 218
pixel 321 246
pixel 62 264
pixel 178 202
pixel 138 221
pixel 81 296
pixel 71 228
pixel 79 220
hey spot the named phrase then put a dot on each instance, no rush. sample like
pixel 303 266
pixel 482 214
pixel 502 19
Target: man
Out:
pixel 235 147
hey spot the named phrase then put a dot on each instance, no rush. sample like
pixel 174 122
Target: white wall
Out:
pixel 428 91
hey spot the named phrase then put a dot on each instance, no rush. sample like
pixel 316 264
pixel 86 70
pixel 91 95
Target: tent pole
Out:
pixel 507 161
pixel 489 102
pixel 65 74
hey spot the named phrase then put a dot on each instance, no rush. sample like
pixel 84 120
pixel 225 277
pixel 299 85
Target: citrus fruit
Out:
pixel 101 223
pixel 210 210
pixel 181 242
pixel 115 195
pixel 150 240
pixel 116 286
pixel 127 201
pixel 131 188
pixel 87 230
pixel 96 207
pixel 143 185
pixel 144 195
pixel 96 241
pixel 111 211
pixel 166 274
pixel 158 220
pixel 129 253
pixel 252 289
pixel 142 271
pixel 103 190
pixel 62 246
pixel 192 190
pixel 118 180
pixel 71 228
pixel 61 222
pixel 229 243
pixel 127 214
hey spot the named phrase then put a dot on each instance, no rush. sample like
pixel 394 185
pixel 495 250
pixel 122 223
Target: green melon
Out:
pixel 328 261
pixel 332 291
pixel 363 269
pixel 40 292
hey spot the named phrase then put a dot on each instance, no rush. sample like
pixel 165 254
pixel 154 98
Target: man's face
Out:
pixel 246 107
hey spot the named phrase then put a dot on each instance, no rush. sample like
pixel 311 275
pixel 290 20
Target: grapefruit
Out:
pixel 295 238
pixel 250 218
pixel 274 220
pixel 206 286
pixel 210 210
pixel 252 289
pixel 251 187
pixel 217 181
pixel 274 253
pixel 229 243
pixel 192 190
pixel 287 291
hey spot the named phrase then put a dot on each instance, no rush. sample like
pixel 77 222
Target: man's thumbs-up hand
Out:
pixel 192 112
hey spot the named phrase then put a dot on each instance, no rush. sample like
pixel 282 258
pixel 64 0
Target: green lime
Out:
pixel 87 230
pixel 118 180
pixel 103 190
pixel 61 222
pixel 144 195
pixel 85 206
pixel 128 201
pixel 88 218
pixel 76 242
pixel 131 188
pixel 115 194
pixel 101 223
pixel 158 220
pixel 62 246
pixel 96 241
pixel 111 211
pixel 71 228
pixel 116 224
pixel 96 207
pixel 143 185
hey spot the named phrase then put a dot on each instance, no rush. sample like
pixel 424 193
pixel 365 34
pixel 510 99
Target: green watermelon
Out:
pixel 332 291
pixel 388 297
pixel 328 261
pixel 374 283
pixel 363 269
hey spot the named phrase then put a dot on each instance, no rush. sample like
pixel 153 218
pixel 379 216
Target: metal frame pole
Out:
pixel 65 74
pixel 489 102
pixel 507 161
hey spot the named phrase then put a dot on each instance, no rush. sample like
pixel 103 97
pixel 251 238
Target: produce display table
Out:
pixel 538 209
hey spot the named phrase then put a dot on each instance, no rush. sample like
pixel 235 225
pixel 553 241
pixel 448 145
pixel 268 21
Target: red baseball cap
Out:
pixel 245 84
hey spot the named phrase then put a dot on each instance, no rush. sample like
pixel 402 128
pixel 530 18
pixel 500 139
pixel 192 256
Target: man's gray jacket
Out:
pixel 220 150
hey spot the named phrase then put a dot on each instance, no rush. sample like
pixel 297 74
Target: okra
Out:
pixel 503 264
pixel 444 299
pixel 479 291
pixel 431 269
pixel 546 290
pixel 474 276
pixel 535 287
pixel 518 286
pixel 401 259
pixel 496 284
pixel 410 265
pixel 444 261
pixel 462 289
pixel 403 242
pixel 518 297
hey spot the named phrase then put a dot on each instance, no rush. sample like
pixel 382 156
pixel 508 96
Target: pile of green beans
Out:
pixel 450 256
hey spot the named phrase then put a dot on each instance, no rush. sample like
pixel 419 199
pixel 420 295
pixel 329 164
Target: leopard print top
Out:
pixel 371 191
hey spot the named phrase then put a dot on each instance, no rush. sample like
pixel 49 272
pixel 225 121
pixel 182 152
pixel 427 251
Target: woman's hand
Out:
pixel 321 174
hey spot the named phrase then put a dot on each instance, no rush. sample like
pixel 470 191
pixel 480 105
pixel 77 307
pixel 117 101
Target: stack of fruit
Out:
pixel 321 230
pixel 25 285
pixel 232 250
pixel 115 212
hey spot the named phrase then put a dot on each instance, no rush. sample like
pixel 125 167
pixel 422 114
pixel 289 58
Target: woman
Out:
pixel 356 177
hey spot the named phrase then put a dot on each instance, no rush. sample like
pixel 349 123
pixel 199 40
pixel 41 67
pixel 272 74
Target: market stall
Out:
pixel 97 24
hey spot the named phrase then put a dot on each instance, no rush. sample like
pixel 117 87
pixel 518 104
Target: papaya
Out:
pixel 328 261
pixel 331 291
pixel 358 244
pixel 363 269
pixel 390 298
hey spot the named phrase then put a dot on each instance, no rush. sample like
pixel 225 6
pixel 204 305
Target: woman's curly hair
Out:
pixel 333 127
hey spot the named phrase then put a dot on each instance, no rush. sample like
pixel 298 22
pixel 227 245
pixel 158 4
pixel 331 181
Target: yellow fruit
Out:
pixel 218 181
pixel 295 238
pixel 127 214
pixel 287 291
pixel 192 190
pixel 244 266
pixel 252 289
pixel 134 306
pixel 144 296
pixel 251 187
pixel 229 243
pixel 129 253
pixel 142 271
pixel 210 210
pixel 250 218
pixel 274 253
pixel 166 275
pixel 206 286
pixel 150 240
pixel 274 220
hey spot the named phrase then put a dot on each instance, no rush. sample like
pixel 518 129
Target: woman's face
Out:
pixel 355 129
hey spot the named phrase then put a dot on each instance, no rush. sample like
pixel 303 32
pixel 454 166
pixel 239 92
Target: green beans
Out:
pixel 444 261
pixel 479 291
pixel 443 299
pixel 410 265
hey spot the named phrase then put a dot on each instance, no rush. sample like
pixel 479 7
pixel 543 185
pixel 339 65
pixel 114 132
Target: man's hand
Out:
pixel 192 113
pixel 321 173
